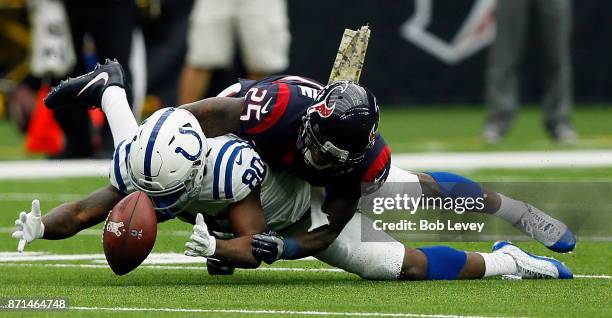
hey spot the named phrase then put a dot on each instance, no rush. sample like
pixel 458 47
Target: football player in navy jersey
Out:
pixel 329 137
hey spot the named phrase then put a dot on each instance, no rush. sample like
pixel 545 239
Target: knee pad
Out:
pixel 455 186
pixel 443 262
pixel 377 260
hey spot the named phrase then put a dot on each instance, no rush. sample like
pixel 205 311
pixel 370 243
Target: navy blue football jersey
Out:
pixel 271 119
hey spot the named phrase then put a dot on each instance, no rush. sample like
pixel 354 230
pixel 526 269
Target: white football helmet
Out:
pixel 167 159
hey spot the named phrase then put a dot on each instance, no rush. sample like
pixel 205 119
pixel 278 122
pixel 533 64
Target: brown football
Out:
pixel 129 233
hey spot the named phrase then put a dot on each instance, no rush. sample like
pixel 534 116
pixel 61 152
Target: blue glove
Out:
pixel 267 247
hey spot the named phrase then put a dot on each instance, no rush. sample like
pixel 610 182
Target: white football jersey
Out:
pixel 233 170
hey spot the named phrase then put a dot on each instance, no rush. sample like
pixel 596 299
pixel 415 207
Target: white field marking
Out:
pixel 28 197
pixel 54 168
pixel 267 269
pixel 153 258
pixel 98 232
pixel 594 276
pixel 404 237
pixel 505 159
pixel 415 161
pixel 165 267
pixel 270 312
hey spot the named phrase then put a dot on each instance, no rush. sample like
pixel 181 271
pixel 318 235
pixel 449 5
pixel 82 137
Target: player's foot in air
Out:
pixel 86 90
pixel 533 266
pixel 547 230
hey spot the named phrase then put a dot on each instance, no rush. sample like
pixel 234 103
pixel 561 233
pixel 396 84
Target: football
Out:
pixel 129 233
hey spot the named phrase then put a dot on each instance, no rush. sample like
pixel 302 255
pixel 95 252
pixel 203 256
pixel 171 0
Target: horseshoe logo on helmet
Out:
pixel 185 153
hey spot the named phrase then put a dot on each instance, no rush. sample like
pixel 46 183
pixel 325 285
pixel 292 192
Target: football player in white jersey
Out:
pixel 184 173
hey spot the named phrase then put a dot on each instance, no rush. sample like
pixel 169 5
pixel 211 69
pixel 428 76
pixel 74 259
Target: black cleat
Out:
pixel 86 90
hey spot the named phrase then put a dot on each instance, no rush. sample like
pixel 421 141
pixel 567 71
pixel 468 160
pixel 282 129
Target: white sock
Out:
pixel 511 210
pixel 498 264
pixel 118 113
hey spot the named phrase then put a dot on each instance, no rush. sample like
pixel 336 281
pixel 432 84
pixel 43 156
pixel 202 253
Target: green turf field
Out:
pixel 297 288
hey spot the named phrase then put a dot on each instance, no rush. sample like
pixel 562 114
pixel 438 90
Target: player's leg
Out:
pixel 555 24
pixel 113 40
pixel 265 44
pixel 532 221
pixel 378 256
pixel 502 73
pixel 210 42
pixel 104 87
pixel 547 230
pixel 118 113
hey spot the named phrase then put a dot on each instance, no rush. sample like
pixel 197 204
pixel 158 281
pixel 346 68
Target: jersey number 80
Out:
pixel 254 174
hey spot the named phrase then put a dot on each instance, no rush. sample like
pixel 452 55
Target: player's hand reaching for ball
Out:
pixel 267 247
pixel 29 226
pixel 201 243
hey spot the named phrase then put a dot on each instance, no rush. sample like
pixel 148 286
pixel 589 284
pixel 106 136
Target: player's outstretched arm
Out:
pixel 217 115
pixel 340 208
pixel 247 218
pixel 70 218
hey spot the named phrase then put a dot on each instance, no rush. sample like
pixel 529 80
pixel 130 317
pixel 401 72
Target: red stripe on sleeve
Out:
pixel 282 100
pixel 378 165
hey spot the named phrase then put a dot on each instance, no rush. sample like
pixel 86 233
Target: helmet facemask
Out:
pixel 175 199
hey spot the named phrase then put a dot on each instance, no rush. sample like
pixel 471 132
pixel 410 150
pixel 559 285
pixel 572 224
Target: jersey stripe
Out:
pixel 282 100
pixel 378 165
pixel 127 155
pixel 118 176
pixel 229 170
pixel 151 142
pixel 217 169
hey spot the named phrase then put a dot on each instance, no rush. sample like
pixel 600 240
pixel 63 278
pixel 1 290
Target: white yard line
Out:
pixel 411 237
pixel 505 159
pixel 594 276
pixel 37 169
pixel 177 267
pixel 27 197
pixel 270 312
pixel 173 267
pixel 153 258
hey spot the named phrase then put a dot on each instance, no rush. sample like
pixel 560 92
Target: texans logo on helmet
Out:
pixel 322 108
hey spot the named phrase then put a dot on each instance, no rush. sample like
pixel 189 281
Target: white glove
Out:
pixel 28 226
pixel 200 243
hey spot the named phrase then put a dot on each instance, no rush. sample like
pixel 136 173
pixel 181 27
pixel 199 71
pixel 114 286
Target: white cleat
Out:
pixel 533 266
pixel 547 230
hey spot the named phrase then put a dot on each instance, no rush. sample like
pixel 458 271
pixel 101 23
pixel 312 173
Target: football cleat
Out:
pixel 533 266
pixel 547 230
pixel 86 90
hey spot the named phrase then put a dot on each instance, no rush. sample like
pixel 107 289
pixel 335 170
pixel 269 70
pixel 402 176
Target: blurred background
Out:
pixel 460 75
